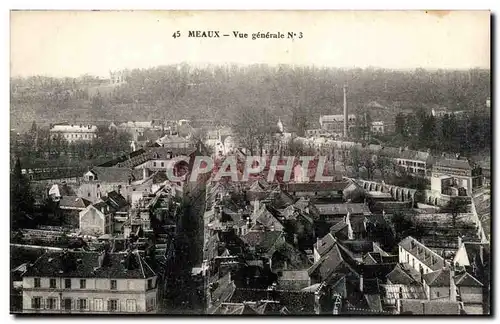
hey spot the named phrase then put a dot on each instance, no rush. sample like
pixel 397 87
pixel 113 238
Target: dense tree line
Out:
pixel 296 94
pixel 466 133
pixel 38 148
pixel 21 198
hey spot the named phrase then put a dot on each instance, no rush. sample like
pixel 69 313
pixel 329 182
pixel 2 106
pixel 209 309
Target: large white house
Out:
pixel 64 282
pixel 74 133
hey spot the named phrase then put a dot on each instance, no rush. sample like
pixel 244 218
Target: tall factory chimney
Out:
pixel 346 114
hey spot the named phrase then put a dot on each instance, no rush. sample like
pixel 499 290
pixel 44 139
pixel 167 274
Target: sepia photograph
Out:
pixel 250 163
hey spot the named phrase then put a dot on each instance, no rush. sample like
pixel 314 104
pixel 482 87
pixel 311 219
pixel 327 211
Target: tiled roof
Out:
pixel 336 260
pixel 399 276
pixel 115 200
pixel 454 163
pixel 73 264
pixel 114 174
pixel 325 244
pixel 224 290
pixel 234 309
pixel 438 278
pixel 467 280
pixel 267 219
pixel 297 302
pixel 338 227
pixel 73 202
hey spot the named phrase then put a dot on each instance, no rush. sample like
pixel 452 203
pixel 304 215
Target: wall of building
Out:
pixel 440 293
pixel 476 309
pixel 471 294
pixel 92 222
pixel 94 190
pixel 129 292
pixel 406 257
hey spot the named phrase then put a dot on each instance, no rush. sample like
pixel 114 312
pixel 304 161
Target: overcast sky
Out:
pixel 70 43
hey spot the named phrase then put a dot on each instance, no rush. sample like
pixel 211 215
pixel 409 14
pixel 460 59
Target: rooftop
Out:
pixel 453 163
pixel 422 253
pixel 78 264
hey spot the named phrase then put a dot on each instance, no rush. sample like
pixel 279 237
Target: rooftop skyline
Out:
pixel 73 43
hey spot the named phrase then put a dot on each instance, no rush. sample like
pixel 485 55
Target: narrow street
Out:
pixel 182 295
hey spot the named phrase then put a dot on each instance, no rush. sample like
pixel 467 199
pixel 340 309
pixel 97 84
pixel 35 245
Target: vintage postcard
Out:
pixel 250 163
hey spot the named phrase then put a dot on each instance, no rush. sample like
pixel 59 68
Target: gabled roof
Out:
pixel 296 302
pixel 73 202
pixel 234 309
pixel 438 278
pixel 399 276
pixel 77 264
pixel 334 261
pixel 325 244
pixel 115 200
pixel 467 280
pixel 114 174
pixel 267 219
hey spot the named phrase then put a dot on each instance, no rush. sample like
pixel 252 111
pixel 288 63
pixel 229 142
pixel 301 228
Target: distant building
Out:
pixel 377 127
pixel 335 123
pixel 463 174
pixel 98 219
pixel 173 141
pixel 138 129
pixel 74 133
pixel 90 283
pixel 118 77
pixel 419 257
pixel 444 111
pixel 415 162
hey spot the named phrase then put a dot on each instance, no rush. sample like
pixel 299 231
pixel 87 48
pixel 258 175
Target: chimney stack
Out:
pixel 346 115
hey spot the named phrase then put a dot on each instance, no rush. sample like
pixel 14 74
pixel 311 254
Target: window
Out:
pixel 112 305
pixel 437 294
pixel 52 283
pixel 67 283
pixel 131 305
pixel 67 303
pixel 51 303
pixel 83 284
pixel 36 302
pixel 113 284
pixel 150 283
pixel 98 304
pixel 154 164
pixel 82 304
pixel 37 282
pixel 162 164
